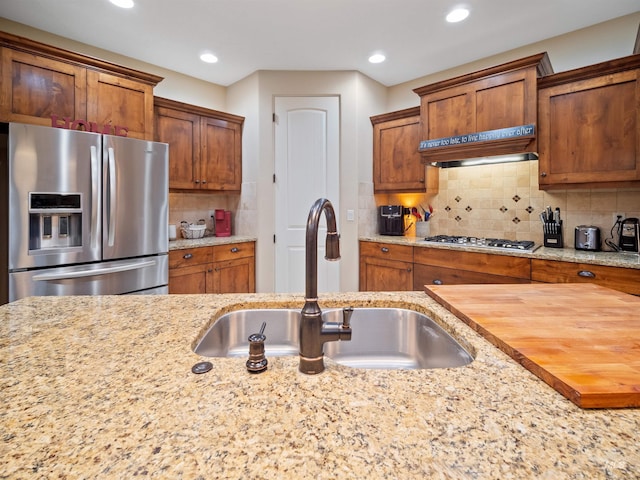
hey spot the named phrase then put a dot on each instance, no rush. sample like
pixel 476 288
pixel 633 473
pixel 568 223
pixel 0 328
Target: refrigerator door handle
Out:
pixel 95 195
pixel 112 197
pixel 44 277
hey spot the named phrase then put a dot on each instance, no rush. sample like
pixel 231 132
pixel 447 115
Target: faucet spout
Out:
pixel 313 331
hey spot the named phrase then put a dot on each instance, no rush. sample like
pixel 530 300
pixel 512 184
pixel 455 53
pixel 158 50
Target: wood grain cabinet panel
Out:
pixel 385 267
pixel 120 102
pixel 35 88
pixel 181 130
pixel 590 126
pixel 397 164
pixel 623 279
pixel 448 267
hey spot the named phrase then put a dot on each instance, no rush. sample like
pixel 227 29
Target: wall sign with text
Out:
pixel 500 134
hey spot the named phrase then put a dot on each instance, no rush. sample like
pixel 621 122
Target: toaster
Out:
pixel 587 238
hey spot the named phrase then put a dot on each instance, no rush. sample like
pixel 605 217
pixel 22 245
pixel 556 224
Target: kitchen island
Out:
pixel 101 387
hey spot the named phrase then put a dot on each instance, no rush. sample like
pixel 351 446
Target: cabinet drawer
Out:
pixel 190 256
pixel 427 275
pixel 485 263
pixel 622 279
pixel 389 251
pixel 233 250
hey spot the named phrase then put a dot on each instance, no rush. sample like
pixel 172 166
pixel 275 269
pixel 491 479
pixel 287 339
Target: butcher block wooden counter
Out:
pixel 582 340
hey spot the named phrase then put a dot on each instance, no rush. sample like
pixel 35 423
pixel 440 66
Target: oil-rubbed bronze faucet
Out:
pixel 313 331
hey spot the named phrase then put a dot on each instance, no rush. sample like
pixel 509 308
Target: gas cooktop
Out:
pixel 494 243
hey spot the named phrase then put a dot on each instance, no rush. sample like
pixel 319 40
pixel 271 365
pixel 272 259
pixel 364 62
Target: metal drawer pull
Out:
pixel 234 250
pixel 187 256
pixel 384 250
pixel 586 273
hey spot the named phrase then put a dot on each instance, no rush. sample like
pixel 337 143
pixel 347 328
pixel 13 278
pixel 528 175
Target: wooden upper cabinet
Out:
pixel 35 88
pixel 221 168
pixel 205 146
pixel 496 98
pixel 589 121
pixel 40 81
pixel 397 164
pixel 181 130
pixel 120 102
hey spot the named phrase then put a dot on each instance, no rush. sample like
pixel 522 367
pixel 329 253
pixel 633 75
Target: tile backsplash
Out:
pixel 503 201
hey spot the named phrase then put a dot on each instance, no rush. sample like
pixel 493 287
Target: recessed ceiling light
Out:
pixel 377 58
pixel 122 3
pixel 208 58
pixel 457 15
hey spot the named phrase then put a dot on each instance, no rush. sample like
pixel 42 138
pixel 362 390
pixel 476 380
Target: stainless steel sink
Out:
pixel 383 338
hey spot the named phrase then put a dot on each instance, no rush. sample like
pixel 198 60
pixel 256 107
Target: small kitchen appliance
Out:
pixel 629 233
pixel 587 237
pixel 223 223
pixel 391 220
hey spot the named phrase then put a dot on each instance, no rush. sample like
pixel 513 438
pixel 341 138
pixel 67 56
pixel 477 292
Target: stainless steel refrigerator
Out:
pixel 81 213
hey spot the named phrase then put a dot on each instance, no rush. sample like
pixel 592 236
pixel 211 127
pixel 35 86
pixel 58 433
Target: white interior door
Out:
pixel 307 164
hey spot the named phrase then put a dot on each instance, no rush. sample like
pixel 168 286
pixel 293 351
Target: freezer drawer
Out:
pixel 105 278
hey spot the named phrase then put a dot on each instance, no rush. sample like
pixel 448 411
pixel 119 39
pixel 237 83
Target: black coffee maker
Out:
pixel 391 219
pixel 629 233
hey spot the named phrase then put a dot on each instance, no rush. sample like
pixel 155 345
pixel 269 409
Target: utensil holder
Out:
pixel 553 235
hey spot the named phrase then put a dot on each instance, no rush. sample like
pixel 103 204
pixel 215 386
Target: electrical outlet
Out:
pixel 618 216
pixel 211 213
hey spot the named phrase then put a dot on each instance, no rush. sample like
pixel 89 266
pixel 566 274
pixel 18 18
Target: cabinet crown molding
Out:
pixel 27 45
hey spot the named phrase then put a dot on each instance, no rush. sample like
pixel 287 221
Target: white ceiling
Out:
pixel 250 35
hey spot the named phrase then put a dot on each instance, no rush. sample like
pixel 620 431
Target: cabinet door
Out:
pixel 234 276
pixel 191 279
pixel 397 164
pixel 221 165
pixel 181 130
pixel 382 275
pixel 590 132
pixel 120 102
pixel 35 88
pixel 448 113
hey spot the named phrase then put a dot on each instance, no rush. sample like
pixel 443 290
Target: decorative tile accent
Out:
pixel 468 209
pixel 458 218
pixel 516 220
pixel 503 209
pixel 529 209
pixel 516 198
pixel 447 208
pixel 458 198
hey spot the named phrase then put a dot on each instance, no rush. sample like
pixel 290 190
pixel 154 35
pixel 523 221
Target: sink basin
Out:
pixel 382 338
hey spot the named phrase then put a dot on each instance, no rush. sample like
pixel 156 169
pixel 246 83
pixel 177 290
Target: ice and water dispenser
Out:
pixel 55 220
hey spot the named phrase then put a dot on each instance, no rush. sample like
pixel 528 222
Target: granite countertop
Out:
pixel 185 243
pixel 613 259
pixel 101 387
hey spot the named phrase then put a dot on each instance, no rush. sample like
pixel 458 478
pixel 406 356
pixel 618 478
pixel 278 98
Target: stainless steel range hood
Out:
pixel 512 144
pixel 467 162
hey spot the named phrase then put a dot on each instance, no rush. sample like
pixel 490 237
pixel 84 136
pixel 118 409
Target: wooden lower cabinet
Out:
pixel 385 267
pixel 619 278
pixel 219 269
pixel 434 266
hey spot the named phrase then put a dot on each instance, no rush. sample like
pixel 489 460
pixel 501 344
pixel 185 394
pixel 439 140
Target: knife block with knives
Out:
pixel 552 228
